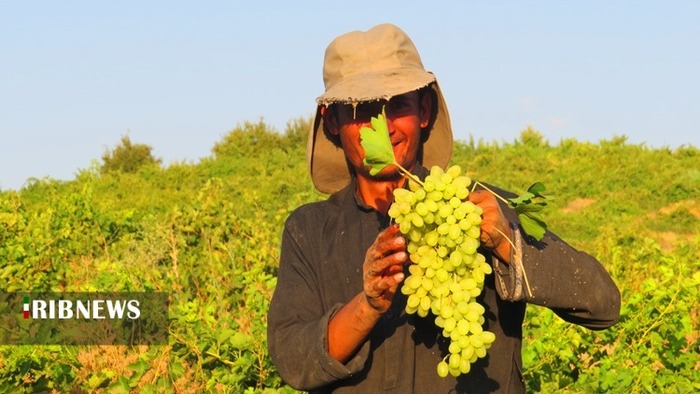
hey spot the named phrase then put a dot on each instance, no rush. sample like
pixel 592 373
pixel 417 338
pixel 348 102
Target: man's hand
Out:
pixel 493 224
pixel 383 268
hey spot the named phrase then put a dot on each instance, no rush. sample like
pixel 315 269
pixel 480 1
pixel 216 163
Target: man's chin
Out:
pixel 389 173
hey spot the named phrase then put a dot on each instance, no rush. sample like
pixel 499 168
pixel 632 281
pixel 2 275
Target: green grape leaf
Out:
pixel 526 205
pixel 533 225
pixel 377 144
pixel 537 188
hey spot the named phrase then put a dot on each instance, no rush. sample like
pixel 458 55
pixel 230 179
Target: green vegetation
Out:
pixel 208 233
pixel 128 157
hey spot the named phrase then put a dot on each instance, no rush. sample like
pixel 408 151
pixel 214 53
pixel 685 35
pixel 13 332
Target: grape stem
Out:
pixel 407 174
pixel 477 183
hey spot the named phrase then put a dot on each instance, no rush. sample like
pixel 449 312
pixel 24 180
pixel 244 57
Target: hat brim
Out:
pixel 327 163
pixel 378 85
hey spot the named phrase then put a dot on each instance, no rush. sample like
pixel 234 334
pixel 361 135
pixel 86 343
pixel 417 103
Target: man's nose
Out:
pixel 390 125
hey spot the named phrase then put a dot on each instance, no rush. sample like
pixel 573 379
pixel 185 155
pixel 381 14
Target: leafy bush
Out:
pixel 128 157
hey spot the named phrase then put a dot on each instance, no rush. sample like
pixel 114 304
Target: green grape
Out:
pixel 436 172
pixel 442 369
pixel 413 301
pixel 414 234
pixel 446 312
pixel 422 312
pixel 442 275
pixel 463 307
pixel 468 284
pixel 413 282
pixel 431 205
pixel 454 231
pixel 467 350
pixel 450 324
pixel 474 232
pixel 456 258
pixel 475 328
pixel 446 178
pixel 440 322
pixel 405 227
pixel 476 341
pixel 462 193
pixel 471 316
pixel 454 361
pixel 460 212
pixel 431 238
pixel 488 337
pixel 465 366
pixel 417 220
pixel 435 196
pixel 421 209
pixel 454 171
pixel 449 192
pixel 478 308
pixel 421 291
pixel 457 298
pixel 463 327
pixel 473 217
pixel 445 210
pixel 439 186
pixel 401 195
pixel 394 211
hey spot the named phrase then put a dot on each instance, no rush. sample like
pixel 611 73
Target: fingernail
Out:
pixel 399 277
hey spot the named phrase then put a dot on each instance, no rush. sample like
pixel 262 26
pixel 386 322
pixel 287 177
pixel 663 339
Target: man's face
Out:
pixel 405 114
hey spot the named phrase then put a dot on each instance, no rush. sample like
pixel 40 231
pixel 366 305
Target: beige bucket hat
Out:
pixel 367 66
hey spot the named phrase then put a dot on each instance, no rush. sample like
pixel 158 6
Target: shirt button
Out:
pixel 389 314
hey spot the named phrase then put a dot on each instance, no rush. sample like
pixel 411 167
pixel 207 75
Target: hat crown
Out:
pixel 383 47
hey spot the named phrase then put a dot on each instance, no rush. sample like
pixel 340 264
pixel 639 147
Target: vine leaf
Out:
pixel 527 205
pixel 379 153
pixel 376 142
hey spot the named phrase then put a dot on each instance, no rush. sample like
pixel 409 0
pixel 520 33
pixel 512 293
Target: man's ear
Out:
pixel 426 109
pixel 330 121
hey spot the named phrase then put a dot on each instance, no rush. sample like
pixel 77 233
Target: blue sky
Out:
pixel 75 76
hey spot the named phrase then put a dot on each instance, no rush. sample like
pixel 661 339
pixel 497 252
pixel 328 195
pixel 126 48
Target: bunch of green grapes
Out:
pixel 447 273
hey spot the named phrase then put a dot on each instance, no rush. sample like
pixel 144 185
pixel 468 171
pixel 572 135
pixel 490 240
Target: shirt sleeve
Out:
pixel 298 324
pixel 553 274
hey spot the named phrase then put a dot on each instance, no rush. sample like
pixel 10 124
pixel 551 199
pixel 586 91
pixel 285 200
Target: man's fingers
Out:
pixel 385 284
pixel 387 242
pixel 377 267
pixel 479 196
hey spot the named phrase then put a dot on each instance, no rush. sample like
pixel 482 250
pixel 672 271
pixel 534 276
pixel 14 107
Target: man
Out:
pixel 337 321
